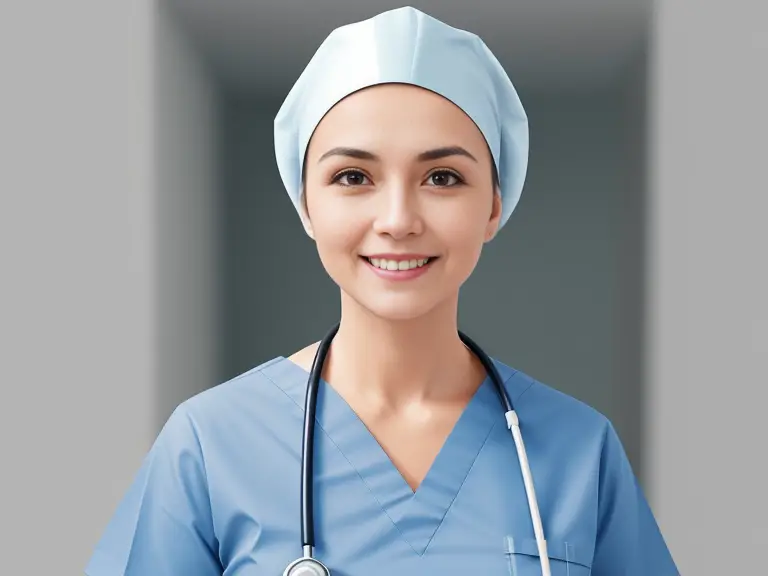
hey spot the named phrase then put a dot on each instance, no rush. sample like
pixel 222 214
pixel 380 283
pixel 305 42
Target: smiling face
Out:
pixel 400 199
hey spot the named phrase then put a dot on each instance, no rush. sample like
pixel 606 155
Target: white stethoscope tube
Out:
pixel 533 505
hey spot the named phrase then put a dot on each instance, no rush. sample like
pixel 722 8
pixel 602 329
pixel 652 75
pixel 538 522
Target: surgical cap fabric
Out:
pixel 410 47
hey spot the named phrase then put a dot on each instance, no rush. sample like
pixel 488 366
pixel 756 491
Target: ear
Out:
pixel 493 222
pixel 304 215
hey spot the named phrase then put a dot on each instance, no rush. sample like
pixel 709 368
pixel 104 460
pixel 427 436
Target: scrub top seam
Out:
pixel 204 465
pixel 255 370
pixel 458 491
pixel 524 391
pixel 352 466
pixel 276 385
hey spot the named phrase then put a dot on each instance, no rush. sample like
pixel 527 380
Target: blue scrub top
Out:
pixel 218 493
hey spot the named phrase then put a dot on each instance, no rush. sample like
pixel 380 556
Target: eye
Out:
pixel 444 178
pixel 350 178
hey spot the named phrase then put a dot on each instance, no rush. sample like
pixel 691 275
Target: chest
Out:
pixel 468 515
pixel 412 439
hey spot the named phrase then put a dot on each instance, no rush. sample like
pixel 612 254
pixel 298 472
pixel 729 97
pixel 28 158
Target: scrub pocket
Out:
pixel 564 558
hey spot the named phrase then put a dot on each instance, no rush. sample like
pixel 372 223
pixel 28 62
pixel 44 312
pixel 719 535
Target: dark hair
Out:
pixel 494 175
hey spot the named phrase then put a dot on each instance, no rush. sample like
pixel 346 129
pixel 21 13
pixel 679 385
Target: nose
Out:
pixel 398 213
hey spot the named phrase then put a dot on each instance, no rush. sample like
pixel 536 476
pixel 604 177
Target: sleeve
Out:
pixel 163 526
pixel 629 542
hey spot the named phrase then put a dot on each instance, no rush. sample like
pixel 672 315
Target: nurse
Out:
pixel 403 146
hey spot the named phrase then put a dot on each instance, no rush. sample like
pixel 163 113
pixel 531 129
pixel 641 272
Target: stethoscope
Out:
pixel 308 565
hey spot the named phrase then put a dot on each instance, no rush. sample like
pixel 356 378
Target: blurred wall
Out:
pixel 109 243
pixel 187 197
pixel 707 284
pixel 78 278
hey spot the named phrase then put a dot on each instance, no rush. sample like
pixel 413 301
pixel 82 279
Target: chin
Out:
pixel 398 308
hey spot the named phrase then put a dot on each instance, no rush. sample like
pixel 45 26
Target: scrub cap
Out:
pixel 407 46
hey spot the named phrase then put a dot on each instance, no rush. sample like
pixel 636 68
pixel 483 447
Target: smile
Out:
pixel 398 265
pixel 399 268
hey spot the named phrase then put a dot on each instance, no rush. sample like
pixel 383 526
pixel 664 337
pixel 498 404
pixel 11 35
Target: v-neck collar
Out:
pixel 417 515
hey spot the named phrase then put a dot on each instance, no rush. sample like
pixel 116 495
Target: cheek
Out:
pixel 462 229
pixel 463 240
pixel 465 251
pixel 337 235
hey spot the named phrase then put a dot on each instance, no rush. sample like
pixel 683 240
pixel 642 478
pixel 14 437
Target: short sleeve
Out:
pixel 629 542
pixel 163 526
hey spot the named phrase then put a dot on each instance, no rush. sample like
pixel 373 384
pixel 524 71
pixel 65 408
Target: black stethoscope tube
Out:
pixel 307 449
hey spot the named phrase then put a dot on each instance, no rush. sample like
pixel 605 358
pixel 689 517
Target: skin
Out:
pixel 397 359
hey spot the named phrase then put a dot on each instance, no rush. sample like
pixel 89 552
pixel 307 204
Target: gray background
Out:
pixel 149 250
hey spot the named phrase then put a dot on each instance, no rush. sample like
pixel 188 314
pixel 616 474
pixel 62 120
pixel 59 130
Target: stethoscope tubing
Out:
pixel 307 453
pixel 307 448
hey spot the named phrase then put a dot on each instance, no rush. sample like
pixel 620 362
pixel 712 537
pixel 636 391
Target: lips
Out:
pixel 398 264
pixel 399 269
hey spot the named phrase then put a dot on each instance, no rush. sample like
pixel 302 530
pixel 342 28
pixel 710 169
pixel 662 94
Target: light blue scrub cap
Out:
pixel 407 46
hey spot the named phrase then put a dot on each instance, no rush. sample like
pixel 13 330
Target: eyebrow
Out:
pixel 428 155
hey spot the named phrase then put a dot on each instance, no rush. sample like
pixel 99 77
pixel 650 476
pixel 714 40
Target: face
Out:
pixel 399 199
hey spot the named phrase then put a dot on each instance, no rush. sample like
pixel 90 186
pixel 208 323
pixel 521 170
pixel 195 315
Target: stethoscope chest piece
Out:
pixel 306 567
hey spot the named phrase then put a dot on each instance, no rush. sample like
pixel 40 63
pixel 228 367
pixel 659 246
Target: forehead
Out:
pixel 399 115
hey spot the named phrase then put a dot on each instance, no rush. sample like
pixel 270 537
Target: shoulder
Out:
pixel 268 382
pixel 201 453
pixel 586 448
pixel 254 401
pixel 544 410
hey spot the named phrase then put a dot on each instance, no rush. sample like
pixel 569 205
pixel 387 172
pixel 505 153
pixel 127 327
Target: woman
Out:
pixel 403 146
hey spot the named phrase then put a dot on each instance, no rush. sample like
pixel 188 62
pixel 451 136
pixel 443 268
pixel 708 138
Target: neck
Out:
pixel 398 362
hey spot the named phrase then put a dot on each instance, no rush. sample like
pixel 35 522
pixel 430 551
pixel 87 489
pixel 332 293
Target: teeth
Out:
pixel 397 264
